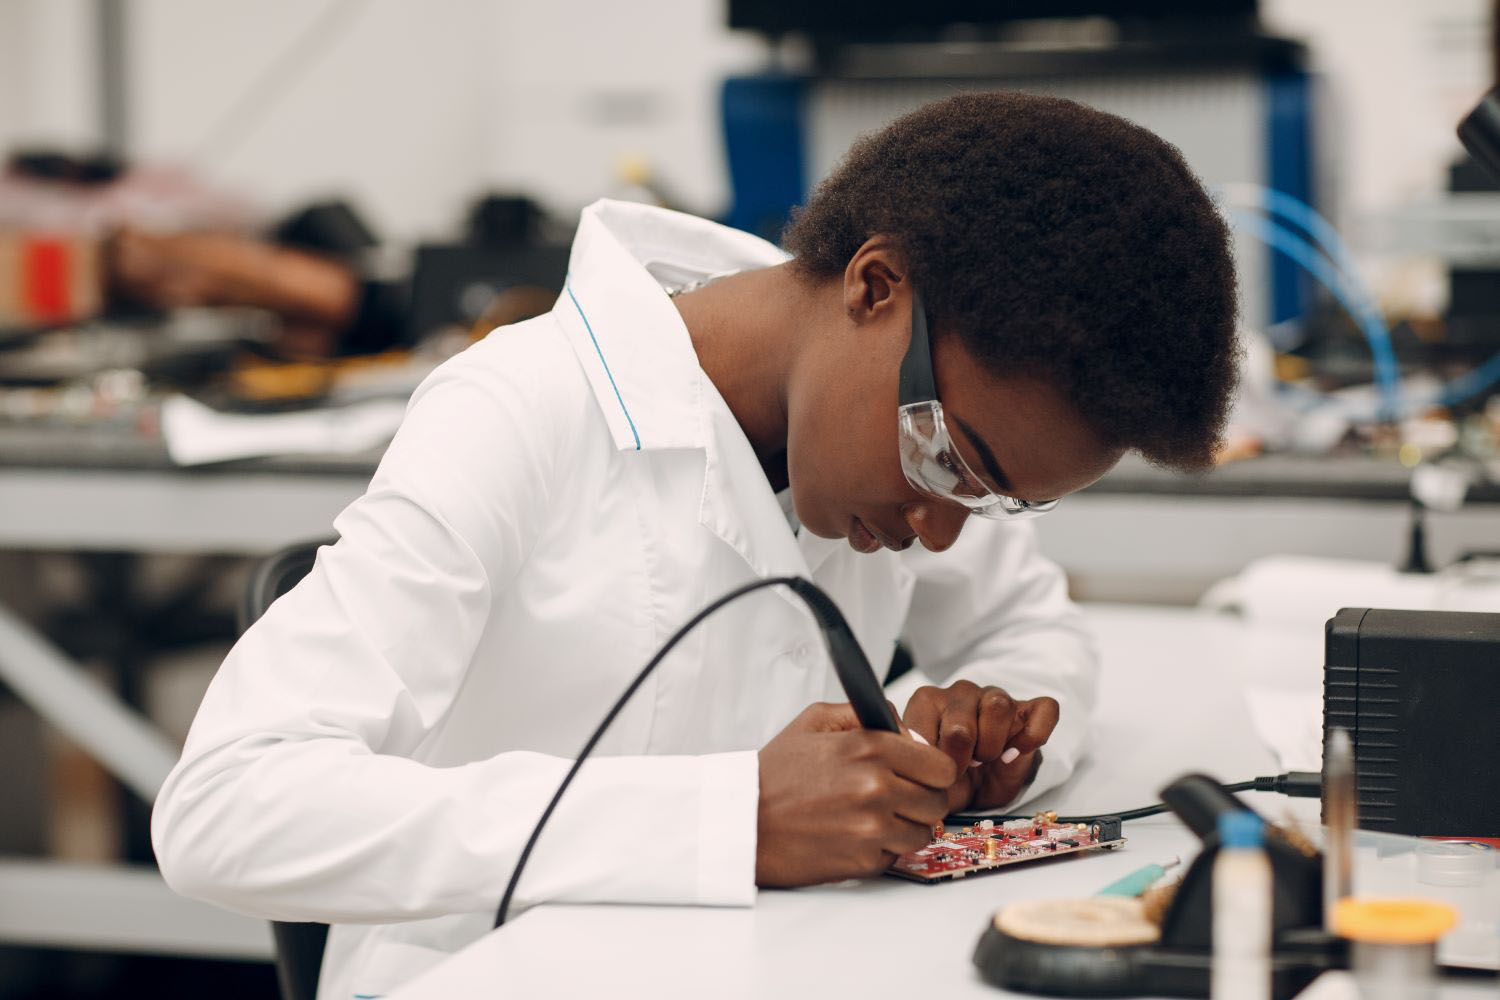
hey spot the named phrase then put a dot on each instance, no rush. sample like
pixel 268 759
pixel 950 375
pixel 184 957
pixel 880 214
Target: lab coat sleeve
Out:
pixel 993 610
pixel 297 797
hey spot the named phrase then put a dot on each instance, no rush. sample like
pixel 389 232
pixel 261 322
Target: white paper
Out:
pixel 196 434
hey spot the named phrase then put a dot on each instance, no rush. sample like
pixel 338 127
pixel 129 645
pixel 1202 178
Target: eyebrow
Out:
pixel 985 455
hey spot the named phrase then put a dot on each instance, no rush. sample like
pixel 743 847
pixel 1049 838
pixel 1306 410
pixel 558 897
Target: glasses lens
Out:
pixel 934 466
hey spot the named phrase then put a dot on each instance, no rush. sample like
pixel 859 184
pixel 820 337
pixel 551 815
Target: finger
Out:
pixel 958 728
pixel 910 759
pixel 1036 720
pixel 918 803
pixel 824 717
pixel 997 722
pixel 922 713
pixel 904 836
pixel 961 792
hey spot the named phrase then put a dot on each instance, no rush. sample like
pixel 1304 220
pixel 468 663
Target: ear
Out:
pixel 872 279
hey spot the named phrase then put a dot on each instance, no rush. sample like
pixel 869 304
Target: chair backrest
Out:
pixel 299 946
pixel 275 575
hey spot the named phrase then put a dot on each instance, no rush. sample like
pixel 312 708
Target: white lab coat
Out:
pixel 561 497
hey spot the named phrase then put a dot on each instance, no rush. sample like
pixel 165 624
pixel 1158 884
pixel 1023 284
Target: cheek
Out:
pixel 841 447
pixel 814 488
pixel 840 467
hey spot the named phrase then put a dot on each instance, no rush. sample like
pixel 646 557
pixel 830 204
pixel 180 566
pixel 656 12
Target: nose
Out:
pixel 936 524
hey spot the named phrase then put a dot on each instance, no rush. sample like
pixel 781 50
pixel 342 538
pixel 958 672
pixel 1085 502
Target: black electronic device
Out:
pixel 455 285
pixel 1417 692
pixel 1480 132
pixel 897 18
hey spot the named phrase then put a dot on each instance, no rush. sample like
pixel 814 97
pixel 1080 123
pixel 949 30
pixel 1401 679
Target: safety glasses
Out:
pixel 931 462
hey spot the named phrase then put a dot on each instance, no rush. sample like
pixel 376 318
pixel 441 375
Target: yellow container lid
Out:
pixel 1393 921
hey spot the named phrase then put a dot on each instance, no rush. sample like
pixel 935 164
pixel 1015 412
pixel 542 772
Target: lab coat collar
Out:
pixel 626 331
pixel 645 374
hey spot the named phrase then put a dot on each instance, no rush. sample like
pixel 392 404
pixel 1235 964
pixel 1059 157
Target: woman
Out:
pixel 986 305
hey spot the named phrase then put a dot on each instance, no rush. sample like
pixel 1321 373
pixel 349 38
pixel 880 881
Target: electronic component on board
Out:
pixel 990 847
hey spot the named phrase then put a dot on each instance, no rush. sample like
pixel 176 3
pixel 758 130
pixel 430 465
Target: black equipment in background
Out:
pixel 454 285
pixel 1417 691
pixel 1480 132
pixel 511 266
pixel 333 227
pixel 870 19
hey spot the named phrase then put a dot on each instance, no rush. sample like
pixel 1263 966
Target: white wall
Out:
pixel 578 84
pixel 48 73
pixel 415 107
pixel 1400 74
pixel 393 108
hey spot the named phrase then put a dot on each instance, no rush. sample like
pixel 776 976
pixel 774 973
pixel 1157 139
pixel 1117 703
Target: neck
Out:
pixel 747 330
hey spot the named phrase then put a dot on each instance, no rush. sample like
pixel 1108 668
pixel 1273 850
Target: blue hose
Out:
pixel 1341 277
pixel 1366 316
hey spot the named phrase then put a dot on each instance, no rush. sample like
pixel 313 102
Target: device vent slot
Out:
pixel 1378 742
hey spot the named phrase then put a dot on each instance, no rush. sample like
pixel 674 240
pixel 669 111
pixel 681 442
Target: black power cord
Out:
pixel 1296 784
pixel 866 698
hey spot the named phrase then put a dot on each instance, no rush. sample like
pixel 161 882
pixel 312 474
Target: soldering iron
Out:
pixel 860 684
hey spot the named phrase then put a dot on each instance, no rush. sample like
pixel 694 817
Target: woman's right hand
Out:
pixel 838 801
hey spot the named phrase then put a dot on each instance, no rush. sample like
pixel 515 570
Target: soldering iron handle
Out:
pixel 849 660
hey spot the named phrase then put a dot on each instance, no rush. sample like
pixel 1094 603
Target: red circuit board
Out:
pixel 992 846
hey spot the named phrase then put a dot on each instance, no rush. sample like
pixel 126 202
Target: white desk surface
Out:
pixel 882 937
pixel 1168 706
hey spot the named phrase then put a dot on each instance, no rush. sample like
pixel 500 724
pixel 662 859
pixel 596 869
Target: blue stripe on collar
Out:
pixel 568 286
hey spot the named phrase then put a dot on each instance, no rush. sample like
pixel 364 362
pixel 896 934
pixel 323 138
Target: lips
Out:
pixel 860 537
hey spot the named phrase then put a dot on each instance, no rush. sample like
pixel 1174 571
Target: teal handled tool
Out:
pixel 1138 881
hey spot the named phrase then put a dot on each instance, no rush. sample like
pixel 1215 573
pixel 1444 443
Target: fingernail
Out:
pixel 918 737
pixel 974 763
pixel 1009 755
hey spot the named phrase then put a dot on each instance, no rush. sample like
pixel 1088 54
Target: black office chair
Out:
pixel 299 946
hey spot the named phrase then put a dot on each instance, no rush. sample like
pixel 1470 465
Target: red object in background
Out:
pixel 46 278
pixel 1493 842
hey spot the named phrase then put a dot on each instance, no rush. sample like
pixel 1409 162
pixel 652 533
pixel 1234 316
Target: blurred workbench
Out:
pixel 109 489
pixel 1339 477
pixel 55 480
pixel 1140 534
